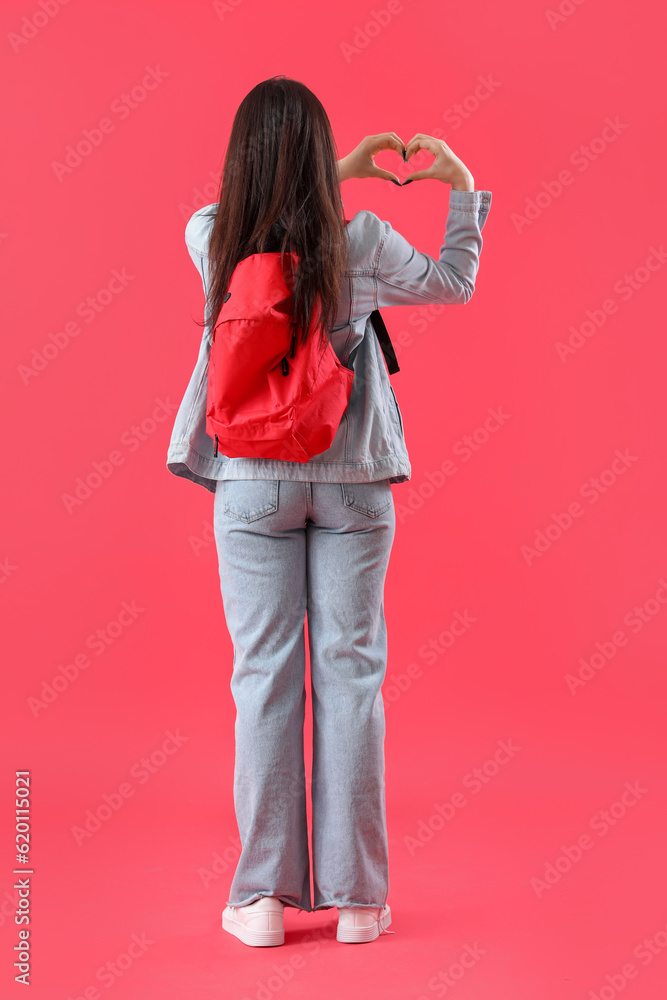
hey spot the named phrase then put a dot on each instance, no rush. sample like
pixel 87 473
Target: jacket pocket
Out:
pixel 249 499
pixel 371 499
pixel 398 412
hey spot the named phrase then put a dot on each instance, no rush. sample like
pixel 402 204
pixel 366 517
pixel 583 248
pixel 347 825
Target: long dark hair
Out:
pixel 279 189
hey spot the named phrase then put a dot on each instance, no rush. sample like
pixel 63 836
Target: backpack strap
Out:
pixel 381 333
pixel 384 340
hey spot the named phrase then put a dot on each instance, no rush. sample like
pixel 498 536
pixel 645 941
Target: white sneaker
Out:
pixel 259 924
pixel 362 923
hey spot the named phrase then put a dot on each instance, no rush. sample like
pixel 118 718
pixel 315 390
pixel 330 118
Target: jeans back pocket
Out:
pixel 248 499
pixel 371 499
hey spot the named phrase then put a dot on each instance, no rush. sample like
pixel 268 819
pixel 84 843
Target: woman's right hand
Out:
pixel 446 166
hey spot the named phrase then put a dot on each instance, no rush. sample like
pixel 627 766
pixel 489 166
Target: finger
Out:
pixel 415 147
pixel 412 146
pixel 386 140
pixel 386 175
pixel 419 175
pixel 401 145
pixel 421 141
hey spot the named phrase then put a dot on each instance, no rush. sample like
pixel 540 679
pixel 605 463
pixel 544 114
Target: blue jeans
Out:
pixel 284 548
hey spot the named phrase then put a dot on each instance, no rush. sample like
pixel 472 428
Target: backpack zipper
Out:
pixel 284 364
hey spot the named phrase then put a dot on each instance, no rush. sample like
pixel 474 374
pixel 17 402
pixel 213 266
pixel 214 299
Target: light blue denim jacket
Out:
pixel 383 270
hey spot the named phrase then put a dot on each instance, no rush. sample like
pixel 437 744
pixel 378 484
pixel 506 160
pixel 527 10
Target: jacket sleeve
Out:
pixel 407 277
pixel 197 233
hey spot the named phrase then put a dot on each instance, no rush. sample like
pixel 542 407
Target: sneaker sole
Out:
pixel 256 939
pixel 360 935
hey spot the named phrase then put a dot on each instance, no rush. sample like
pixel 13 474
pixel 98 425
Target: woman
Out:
pixel 314 536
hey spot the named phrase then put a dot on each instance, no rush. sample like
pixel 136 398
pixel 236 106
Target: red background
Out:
pixel 144 536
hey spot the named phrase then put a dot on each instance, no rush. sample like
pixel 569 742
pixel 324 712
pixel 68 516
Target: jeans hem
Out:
pixel 346 904
pixel 287 900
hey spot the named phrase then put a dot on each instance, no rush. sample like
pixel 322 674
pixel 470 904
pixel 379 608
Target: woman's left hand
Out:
pixel 360 163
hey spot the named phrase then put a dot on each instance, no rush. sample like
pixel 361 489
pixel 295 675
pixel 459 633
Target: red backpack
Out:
pixel 267 396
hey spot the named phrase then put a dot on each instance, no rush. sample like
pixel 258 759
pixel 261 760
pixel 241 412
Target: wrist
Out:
pixel 343 169
pixel 463 182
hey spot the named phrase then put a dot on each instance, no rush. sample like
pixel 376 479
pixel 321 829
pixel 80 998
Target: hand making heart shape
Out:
pixel 446 166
